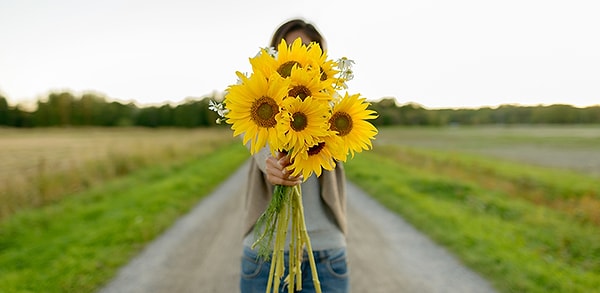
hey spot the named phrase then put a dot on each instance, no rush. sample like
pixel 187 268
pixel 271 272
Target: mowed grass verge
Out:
pixel 78 243
pixel 524 228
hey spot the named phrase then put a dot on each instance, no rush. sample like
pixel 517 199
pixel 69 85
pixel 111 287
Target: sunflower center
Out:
pixel 341 122
pixel 285 69
pixel 316 149
pixel 299 121
pixel 299 91
pixel 263 112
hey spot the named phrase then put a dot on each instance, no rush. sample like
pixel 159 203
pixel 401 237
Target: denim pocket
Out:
pixel 337 264
pixel 251 265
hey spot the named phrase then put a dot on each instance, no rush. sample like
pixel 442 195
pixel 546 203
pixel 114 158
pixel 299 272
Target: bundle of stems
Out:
pixel 285 210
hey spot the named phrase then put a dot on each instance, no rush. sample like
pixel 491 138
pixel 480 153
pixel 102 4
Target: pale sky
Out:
pixel 432 52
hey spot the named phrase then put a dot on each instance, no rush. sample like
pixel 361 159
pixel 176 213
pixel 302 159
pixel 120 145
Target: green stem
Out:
pixel 266 224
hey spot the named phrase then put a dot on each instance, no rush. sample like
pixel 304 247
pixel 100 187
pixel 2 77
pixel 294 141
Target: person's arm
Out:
pixel 261 158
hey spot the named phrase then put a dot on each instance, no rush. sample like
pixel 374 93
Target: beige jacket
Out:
pixel 259 192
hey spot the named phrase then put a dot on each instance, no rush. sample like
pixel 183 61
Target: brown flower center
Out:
pixel 285 69
pixel 299 91
pixel 299 121
pixel 316 149
pixel 341 122
pixel 263 112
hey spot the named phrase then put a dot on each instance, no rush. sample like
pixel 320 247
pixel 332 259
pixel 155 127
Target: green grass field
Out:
pixel 517 204
pixel 525 225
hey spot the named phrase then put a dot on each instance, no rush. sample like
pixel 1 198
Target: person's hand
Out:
pixel 277 172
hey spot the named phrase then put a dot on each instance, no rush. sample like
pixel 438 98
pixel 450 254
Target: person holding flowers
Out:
pixel 299 130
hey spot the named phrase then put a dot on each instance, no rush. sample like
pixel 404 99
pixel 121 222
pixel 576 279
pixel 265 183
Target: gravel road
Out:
pixel 201 252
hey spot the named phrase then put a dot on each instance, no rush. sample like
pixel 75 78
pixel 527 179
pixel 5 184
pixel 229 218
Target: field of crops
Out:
pixel 41 165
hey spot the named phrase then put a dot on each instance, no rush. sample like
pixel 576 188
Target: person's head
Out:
pixel 294 28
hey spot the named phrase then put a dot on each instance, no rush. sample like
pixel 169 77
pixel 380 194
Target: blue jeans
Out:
pixel 332 269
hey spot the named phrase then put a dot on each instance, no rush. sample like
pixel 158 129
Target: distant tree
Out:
pixel 187 114
pixel 117 114
pixel 413 114
pixel 90 109
pixel 147 117
pixel 56 111
pixel 554 114
pixel 590 115
pixel 4 111
pixel 20 118
pixel 387 111
pixel 60 104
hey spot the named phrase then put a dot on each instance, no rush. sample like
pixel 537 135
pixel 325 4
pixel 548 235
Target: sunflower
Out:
pixel 327 67
pixel 302 123
pixel 288 57
pixel 265 62
pixel 322 155
pixel 348 120
pixel 306 83
pixel 253 106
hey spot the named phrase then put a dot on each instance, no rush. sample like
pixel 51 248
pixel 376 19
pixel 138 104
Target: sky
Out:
pixel 439 54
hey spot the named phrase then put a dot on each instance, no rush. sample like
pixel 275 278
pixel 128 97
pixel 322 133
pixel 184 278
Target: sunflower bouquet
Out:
pixel 291 103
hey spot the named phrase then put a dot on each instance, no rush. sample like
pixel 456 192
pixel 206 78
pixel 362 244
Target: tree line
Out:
pixel 390 113
pixel 65 109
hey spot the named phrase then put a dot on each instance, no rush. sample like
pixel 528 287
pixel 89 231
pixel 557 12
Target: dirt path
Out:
pixel 200 253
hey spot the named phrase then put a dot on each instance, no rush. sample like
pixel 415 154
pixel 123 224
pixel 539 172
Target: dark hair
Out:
pixel 297 24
